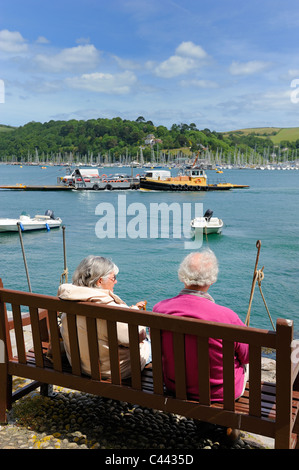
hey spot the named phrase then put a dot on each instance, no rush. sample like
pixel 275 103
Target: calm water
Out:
pixel 268 211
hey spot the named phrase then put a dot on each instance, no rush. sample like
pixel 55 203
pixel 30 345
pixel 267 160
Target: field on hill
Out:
pixel 289 133
pixel 276 134
pixel 6 128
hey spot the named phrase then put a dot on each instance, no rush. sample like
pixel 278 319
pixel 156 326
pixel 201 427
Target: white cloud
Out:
pixel 42 40
pixel 12 41
pixel 83 41
pixel 107 83
pixel 126 63
pixel 293 73
pixel 188 56
pixel 175 66
pixel 71 59
pixel 277 99
pixel 199 83
pixel 272 101
pixel 189 49
pixel 44 87
pixel 150 65
pixel 248 68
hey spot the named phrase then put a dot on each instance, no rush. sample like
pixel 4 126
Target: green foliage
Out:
pixel 116 137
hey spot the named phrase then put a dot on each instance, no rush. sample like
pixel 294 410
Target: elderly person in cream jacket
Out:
pixel 93 281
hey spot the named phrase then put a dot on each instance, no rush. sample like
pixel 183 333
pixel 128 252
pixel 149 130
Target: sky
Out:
pixel 221 64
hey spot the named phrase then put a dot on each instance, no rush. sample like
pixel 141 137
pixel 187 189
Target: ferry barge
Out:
pixel 81 179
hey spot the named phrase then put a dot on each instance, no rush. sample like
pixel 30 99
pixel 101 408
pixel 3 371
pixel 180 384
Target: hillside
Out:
pixel 115 139
pixel 112 137
pixel 275 134
pixel 290 134
pixel 4 128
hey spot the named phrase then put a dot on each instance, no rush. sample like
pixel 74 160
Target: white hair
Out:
pixel 91 269
pixel 199 268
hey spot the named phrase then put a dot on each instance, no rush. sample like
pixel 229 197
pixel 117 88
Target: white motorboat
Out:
pixel 207 223
pixel 39 222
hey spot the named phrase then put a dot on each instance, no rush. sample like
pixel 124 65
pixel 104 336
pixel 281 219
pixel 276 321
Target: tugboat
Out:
pixel 194 179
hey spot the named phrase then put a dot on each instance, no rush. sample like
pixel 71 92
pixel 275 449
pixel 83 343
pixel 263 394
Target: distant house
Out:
pixel 151 140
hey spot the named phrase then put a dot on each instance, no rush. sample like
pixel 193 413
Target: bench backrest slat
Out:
pixel 228 375
pixel 74 343
pixel 203 370
pixel 92 336
pixel 135 356
pixel 113 352
pixel 17 318
pixel 157 360
pixel 55 340
pixel 255 379
pixel 180 365
pixel 37 344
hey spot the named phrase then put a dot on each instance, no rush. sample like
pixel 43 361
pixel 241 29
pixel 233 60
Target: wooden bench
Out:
pixel 267 409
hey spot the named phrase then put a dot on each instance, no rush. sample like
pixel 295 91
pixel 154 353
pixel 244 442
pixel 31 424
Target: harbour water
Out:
pixel 267 211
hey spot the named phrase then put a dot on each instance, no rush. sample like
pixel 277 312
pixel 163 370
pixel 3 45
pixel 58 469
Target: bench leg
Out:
pixel 233 434
pixel 5 393
pixel 230 435
pixel 46 390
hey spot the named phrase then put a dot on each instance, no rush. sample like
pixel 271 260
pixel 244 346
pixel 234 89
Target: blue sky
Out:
pixel 221 64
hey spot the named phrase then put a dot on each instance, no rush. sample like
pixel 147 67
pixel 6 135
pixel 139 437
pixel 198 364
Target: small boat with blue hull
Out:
pixel 27 223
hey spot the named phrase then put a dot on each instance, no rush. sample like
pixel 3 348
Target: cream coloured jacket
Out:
pixel 87 294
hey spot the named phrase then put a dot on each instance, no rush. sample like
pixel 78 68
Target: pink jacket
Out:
pixel 189 305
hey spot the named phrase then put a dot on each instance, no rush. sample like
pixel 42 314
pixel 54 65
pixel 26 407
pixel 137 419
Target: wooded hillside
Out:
pixel 122 137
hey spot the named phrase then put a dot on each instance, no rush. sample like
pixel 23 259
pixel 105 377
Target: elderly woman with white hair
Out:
pixel 198 271
pixel 93 281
